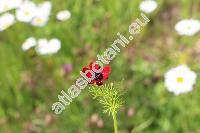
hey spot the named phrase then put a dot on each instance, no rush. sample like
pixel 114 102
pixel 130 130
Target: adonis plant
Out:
pixel 107 95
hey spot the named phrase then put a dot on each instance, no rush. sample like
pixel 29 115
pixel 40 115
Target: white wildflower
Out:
pixel 45 47
pixel 180 79
pixel 29 43
pixel 26 11
pixel 42 16
pixel 6 5
pixel 40 20
pixel 6 20
pixel 63 15
pixel 148 6
pixel 188 27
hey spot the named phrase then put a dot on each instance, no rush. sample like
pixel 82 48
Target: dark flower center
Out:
pixel 99 83
pixel 98 76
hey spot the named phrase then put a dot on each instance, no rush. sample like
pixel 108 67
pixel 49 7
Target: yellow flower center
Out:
pixel 27 13
pixel 38 20
pixel 188 27
pixel 180 80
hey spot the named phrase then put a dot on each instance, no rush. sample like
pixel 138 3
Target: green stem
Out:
pixel 115 122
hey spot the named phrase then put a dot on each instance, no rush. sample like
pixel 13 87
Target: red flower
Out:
pixel 100 77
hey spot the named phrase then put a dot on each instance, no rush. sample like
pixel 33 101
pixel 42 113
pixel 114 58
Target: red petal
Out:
pixel 106 72
pixel 89 75
pixel 96 66
pixel 84 69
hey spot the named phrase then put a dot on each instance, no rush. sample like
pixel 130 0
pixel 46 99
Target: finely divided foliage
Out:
pixel 108 96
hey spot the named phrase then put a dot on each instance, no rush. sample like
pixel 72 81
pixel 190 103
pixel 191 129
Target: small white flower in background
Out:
pixel 29 43
pixel 26 11
pixel 6 20
pixel 180 79
pixel 42 16
pixel 42 46
pixel 6 5
pixel 40 20
pixel 63 15
pixel 14 3
pixel 46 47
pixel 148 6
pixel 45 7
pixel 188 27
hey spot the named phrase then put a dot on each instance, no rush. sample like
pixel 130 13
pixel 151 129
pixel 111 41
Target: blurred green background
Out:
pixel 29 84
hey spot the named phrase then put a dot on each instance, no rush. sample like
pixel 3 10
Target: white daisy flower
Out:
pixel 148 6
pixel 42 46
pixel 63 15
pixel 42 16
pixel 14 3
pixel 46 47
pixel 188 27
pixel 180 79
pixel 29 43
pixel 6 5
pixel 6 20
pixel 40 20
pixel 26 11
pixel 45 7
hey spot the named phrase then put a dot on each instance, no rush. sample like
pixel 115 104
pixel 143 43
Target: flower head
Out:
pixel 188 27
pixel 100 77
pixel 6 5
pixel 29 43
pixel 6 20
pixel 67 68
pixel 45 47
pixel 26 11
pixel 148 6
pixel 180 79
pixel 45 8
pixel 40 20
pixel 15 3
pixel 42 14
pixel 63 15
